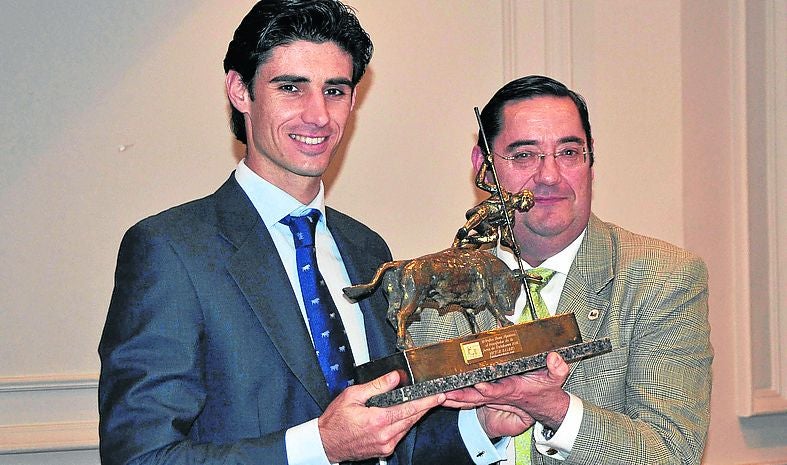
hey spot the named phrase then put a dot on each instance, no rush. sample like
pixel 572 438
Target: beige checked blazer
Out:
pixel 647 401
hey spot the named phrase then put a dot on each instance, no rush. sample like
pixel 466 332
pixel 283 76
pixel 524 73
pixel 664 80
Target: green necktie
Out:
pixel 522 443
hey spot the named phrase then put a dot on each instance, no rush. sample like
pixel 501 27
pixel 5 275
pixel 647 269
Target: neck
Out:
pixel 535 249
pixel 303 192
pixel 532 260
pixel 302 188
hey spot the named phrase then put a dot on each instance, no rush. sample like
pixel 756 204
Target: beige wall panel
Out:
pixel 406 170
pixel 626 62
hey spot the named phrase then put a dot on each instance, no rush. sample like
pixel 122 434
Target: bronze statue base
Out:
pixel 486 356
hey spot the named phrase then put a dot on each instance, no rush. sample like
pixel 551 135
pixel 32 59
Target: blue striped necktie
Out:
pixel 330 339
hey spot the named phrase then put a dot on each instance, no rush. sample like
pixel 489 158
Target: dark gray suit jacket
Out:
pixel 205 355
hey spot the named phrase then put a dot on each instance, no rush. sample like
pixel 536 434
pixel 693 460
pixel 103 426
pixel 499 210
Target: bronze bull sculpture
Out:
pixel 455 279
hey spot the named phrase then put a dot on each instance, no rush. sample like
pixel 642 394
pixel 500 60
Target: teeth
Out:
pixel 308 140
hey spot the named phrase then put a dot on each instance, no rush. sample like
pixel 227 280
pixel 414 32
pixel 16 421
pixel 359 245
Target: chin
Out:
pixel 547 228
pixel 312 171
pixel 313 166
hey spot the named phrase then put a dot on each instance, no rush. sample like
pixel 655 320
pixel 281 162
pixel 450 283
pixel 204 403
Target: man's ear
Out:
pixel 478 158
pixel 237 91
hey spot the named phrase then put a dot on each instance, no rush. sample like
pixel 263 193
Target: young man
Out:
pixel 648 400
pixel 225 338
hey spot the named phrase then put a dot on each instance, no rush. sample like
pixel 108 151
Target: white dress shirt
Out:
pixel 561 443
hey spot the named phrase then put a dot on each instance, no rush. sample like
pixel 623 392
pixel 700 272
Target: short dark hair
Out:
pixel 272 23
pixel 525 88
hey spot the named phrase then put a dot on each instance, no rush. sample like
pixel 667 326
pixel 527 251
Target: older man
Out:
pixel 647 401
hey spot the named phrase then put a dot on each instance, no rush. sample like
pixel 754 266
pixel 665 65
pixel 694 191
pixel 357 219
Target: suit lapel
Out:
pixel 260 275
pixel 586 292
pixel 380 336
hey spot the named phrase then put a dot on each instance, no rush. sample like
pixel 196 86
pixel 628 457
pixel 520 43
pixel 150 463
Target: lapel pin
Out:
pixel 593 315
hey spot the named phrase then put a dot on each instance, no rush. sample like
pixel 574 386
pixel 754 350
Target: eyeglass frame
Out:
pixel 554 155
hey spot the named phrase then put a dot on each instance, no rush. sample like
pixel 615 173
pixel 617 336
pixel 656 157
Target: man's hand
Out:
pixel 352 431
pixel 503 420
pixel 510 405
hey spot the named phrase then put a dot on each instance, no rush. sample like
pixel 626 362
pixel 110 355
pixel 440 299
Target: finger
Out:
pixel 463 392
pixel 380 385
pixel 402 417
pixel 506 408
pixel 500 389
pixel 466 396
pixel 414 408
pixel 491 390
pixel 466 400
pixel 461 405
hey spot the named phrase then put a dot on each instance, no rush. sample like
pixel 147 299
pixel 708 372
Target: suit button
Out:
pixel 551 452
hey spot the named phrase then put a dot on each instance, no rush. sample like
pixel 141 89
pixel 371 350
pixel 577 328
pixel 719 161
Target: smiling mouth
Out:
pixel 548 199
pixel 308 140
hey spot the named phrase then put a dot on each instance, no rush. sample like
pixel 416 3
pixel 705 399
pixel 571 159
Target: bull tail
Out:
pixel 360 291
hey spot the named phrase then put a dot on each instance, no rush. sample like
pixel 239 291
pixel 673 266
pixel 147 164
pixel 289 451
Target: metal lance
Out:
pixel 509 223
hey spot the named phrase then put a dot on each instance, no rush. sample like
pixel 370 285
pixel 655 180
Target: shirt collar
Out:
pixel 272 203
pixel 560 262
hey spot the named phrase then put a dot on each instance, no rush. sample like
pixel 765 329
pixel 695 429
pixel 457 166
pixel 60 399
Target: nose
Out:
pixel 547 172
pixel 316 110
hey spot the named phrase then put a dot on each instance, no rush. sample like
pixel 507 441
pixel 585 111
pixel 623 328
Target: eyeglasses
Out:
pixel 567 157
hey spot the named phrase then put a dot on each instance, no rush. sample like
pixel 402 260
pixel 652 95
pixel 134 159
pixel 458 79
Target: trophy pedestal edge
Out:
pixel 570 354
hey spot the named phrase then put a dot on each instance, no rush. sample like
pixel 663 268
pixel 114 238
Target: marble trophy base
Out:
pixel 475 358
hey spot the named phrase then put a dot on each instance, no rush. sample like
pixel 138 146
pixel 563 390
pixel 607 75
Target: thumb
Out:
pixel 556 365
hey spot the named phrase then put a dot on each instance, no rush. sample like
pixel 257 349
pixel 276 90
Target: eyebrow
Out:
pixel 340 82
pixel 337 81
pixel 524 142
pixel 288 78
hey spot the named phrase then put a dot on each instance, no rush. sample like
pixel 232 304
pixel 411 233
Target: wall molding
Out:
pixel 558 52
pixel 48 382
pixel 764 390
pixel 49 437
pixel 776 152
pixel 537 39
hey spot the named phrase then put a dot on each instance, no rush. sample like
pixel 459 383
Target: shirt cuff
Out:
pixel 562 441
pixel 478 444
pixel 304 445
